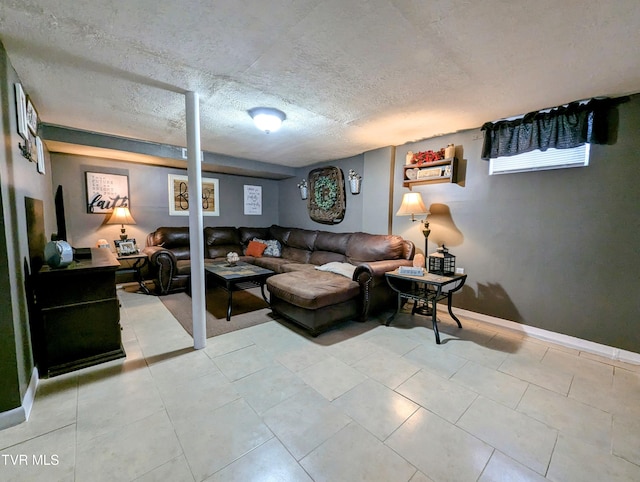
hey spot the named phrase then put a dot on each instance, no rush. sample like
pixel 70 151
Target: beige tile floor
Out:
pixel 361 402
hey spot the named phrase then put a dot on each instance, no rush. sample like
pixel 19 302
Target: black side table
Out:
pixel 428 288
pixel 134 264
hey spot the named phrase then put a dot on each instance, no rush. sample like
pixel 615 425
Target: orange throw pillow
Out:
pixel 255 249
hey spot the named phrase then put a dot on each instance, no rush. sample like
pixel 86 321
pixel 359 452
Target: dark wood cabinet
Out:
pixel 77 315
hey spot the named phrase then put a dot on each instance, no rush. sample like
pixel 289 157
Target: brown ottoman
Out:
pixel 314 299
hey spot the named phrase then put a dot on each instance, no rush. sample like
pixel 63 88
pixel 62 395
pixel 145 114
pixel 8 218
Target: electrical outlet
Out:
pixel 459 270
pixel 184 152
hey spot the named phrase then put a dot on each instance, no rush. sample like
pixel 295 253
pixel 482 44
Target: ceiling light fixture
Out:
pixel 267 119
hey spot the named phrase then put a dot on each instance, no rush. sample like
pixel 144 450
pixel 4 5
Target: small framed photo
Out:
pixel 429 173
pixel 33 148
pixel 32 117
pixel 126 247
pixel 21 109
pixel 40 155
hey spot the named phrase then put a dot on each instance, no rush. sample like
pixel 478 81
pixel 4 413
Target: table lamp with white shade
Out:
pixel 121 216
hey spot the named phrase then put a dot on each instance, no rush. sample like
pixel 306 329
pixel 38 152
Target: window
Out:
pixel 538 161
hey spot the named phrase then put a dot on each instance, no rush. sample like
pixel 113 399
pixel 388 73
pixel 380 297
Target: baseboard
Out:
pixel 21 414
pixel 605 351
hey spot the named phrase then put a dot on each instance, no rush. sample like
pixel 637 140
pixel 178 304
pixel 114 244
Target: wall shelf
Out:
pixel 430 173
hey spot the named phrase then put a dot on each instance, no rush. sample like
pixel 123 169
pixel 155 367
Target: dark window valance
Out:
pixel 561 128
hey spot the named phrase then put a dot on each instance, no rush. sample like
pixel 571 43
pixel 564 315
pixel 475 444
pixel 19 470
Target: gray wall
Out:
pixel 533 244
pixel 557 249
pixel 148 189
pixel 377 189
pixel 18 179
pixel 293 210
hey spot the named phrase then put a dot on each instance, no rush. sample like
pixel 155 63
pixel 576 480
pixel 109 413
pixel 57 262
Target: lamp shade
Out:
pixel 267 119
pixel 412 203
pixel 122 216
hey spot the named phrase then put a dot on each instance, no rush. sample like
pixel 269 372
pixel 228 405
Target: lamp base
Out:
pixel 421 309
pixel 123 235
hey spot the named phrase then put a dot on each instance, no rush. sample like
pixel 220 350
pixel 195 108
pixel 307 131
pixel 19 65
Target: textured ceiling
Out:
pixel 351 75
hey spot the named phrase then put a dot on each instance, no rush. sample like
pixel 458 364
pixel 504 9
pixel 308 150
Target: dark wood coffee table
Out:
pixel 241 276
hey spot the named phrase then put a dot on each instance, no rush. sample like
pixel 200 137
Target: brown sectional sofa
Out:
pixel 310 297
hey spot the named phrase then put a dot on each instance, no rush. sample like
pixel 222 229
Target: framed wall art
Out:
pixel 21 109
pixel 179 196
pixel 106 191
pixel 327 202
pixel 40 152
pixel 33 148
pixel 32 117
pixel 253 200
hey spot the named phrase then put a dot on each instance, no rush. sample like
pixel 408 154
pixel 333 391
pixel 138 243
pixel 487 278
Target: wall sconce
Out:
pixel 304 189
pixel 121 216
pixel 267 119
pixel 355 181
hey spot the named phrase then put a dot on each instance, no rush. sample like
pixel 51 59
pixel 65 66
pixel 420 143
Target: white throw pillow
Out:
pixel 344 269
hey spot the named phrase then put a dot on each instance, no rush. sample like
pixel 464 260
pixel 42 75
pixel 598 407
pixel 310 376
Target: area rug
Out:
pixel 248 309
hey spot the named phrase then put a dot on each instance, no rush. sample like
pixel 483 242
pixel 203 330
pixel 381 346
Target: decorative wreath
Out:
pixel 326 203
pixel 326 193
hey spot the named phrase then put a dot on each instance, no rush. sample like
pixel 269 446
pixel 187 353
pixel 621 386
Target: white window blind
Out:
pixel 539 161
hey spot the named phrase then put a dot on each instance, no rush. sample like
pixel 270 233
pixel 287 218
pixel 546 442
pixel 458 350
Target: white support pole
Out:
pixel 196 228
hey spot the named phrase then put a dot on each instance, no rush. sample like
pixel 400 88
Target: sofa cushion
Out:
pixel 255 249
pixel 365 247
pixel 297 267
pixel 220 240
pixel 324 257
pixel 302 238
pixel 279 233
pixel 169 237
pixel 248 234
pixel 183 266
pixel 273 247
pixel 296 255
pixel 334 242
pixel 312 290
pixel 216 236
pixel 221 250
pixel 181 252
pixel 274 264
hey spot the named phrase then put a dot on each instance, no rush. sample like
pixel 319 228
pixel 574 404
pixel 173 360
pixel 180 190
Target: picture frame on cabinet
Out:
pixel 21 110
pixel 126 247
